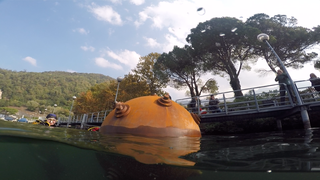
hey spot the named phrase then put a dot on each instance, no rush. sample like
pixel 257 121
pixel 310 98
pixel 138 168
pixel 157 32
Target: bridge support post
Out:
pixel 58 121
pixel 83 120
pixel 305 118
pixel 279 124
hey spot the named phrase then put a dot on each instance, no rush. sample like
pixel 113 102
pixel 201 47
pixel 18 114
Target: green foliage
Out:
pixel 32 105
pixel 4 103
pixel 7 110
pixel 46 88
pixel 225 46
pixel 183 67
pixel 102 96
pixel 291 42
pixel 145 70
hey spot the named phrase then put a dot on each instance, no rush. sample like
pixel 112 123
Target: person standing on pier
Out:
pixel 194 104
pixel 315 81
pixel 213 104
pixel 284 81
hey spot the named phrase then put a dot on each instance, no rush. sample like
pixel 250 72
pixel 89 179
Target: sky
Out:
pixel 109 36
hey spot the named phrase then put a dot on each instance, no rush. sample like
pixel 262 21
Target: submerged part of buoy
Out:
pixel 151 116
pixel 153 150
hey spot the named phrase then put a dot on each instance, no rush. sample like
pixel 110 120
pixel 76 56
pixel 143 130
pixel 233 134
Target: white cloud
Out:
pixel 171 41
pixel 170 14
pixel 81 31
pixel 87 48
pixel 143 16
pixel 116 1
pixel 175 18
pixel 31 60
pixel 137 2
pixel 129 58
pixel 152 42
pixel 71 71
pixel 106 13
pixel 106 64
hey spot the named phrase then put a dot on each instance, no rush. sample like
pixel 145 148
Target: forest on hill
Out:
pixel 45 88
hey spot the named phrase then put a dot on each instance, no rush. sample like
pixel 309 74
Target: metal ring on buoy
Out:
pixel 122 109
pixel 165 101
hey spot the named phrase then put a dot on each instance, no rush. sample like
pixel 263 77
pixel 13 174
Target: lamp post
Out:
pixel 304 113
pixel 69 119
pixel 73 98
pixel 119 79
pixel 54 106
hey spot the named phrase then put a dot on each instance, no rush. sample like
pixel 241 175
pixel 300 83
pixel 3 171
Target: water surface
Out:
pixel 30 151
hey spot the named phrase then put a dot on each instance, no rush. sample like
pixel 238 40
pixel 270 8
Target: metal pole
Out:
pixel 255 100
pixel 285 71
pixel 115 99
pixel 303 110
pixel 119 79
pixel 73 98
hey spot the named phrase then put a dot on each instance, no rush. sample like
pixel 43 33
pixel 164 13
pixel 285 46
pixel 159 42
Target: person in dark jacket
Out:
pixel 214 104
pixel 283 80
pixel 194 104
pixel 315 81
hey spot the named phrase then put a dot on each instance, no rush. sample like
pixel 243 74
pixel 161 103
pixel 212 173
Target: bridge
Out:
pixel 257 102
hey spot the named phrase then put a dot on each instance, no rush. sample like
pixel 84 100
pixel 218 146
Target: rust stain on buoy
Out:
pixel 151 116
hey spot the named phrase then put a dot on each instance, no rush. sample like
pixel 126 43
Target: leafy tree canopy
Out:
pixel 145 69
pixel 225 46
pixel 46 88
pixel 292 43
pixel 7 110
pixel 183 67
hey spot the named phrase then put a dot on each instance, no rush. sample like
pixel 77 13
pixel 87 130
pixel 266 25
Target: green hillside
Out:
pixel 46 88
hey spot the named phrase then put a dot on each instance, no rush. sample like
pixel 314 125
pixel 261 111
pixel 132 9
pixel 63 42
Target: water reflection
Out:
pixel 149 150
pixel 124 156
pixel 287 151
pixel 92 156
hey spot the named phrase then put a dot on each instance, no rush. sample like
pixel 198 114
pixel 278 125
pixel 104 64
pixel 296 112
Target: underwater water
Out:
pixel 30 151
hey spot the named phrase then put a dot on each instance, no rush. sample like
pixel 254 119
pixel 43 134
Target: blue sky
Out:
pixel 109 36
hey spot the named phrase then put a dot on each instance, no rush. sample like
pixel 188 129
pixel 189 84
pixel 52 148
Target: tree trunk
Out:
pixel 235 84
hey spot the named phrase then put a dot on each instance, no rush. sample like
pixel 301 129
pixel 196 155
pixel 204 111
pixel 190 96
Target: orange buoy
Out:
pixel 151 116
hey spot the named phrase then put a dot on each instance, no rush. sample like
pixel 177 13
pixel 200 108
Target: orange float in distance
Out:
pixel 151 116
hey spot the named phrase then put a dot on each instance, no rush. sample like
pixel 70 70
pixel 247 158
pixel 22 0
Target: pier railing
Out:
pixel 262 99
pixel 94 118
pixel 256 99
